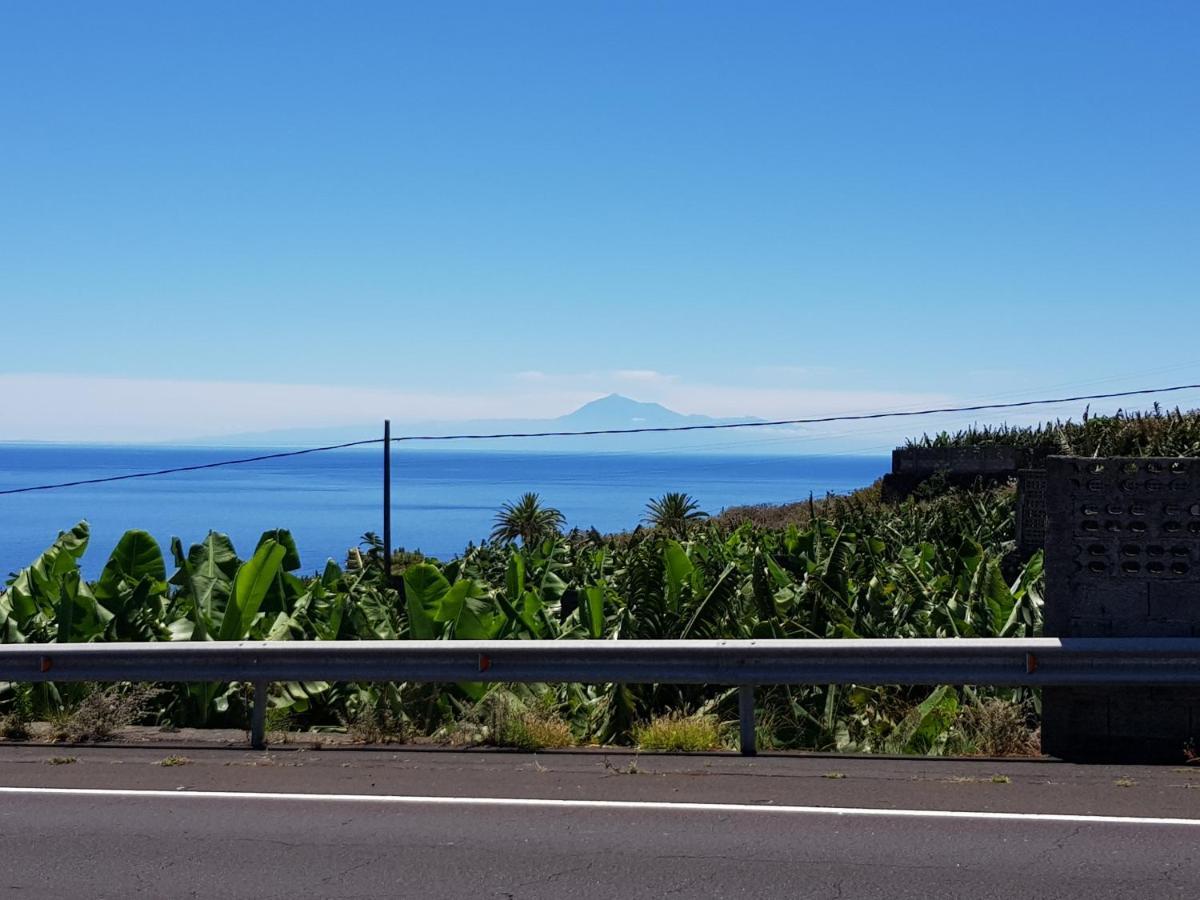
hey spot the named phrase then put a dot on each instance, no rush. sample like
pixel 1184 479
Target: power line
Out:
pixel 810 421
pixel 193 468
pixel 601 431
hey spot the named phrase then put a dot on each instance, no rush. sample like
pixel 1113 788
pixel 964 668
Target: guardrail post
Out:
pixel 746 719
pixel 258 717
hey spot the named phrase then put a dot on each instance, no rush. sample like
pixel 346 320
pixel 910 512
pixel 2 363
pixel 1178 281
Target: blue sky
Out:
pixel 225 217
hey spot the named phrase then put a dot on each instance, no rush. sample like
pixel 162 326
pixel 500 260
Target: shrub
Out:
pixel 103 711
pixel 998 727
pixel 14 728
pixel 513 724
pixel 535 731
pixel 14 725
pixel 374 725
pixel 679 732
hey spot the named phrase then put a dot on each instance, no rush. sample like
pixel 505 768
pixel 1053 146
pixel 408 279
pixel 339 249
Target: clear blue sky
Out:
pixel 740 208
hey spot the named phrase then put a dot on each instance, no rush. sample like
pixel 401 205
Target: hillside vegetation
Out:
pixel 927 568
pixel 1155 433
pixel 849 567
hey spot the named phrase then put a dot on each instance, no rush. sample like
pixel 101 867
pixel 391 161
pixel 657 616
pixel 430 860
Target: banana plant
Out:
pixel 919 569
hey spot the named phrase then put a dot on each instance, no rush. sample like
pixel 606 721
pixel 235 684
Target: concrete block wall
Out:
pixel 1031 511
pixel 961 466
pixel 985 460
pixel 1122 560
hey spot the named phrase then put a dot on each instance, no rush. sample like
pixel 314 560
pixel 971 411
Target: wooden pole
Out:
pixel 387 500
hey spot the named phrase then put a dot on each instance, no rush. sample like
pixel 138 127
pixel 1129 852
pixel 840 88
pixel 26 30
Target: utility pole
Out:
pixel 387 501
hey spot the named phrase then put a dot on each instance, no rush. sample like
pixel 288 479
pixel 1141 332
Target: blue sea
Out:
pixel 440 500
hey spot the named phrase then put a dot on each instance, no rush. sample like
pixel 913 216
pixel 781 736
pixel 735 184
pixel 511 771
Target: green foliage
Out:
pixel 1155 433
pixel 673 513
pixel 856 569
pixel 528 520
pixel 680 733
pixel 515 725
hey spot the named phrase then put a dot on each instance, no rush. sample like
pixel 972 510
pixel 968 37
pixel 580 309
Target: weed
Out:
pixel 679 732
pixel 999 728
pixel 514 724
pixel 102 711
pixel 278 722
pixel 61 760
pixel 834 775
pixel 14 725
pixel 767 726
pixel 374 725
pixel 631 768
pixel 1125 782
pixel 1001 779
pixel 534 731
pixel 171 761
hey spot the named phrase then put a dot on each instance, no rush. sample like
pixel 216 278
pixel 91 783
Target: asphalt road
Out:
pixel 293 823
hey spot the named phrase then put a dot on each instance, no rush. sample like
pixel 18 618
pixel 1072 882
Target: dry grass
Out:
pixel 999 728
pixel 14 727
pixel 531 730
pixel 629 769
pixel 681 733
pixel 976 779
pixel 375 725
pixel 15 724
pixel 800 513
pixel 102 712
pixel 504 720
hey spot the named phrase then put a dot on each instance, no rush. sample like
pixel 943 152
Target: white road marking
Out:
pixel 631 805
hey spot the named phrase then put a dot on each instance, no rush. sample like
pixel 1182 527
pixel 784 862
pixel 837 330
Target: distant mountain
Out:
pixel 615 411
pixel 611 412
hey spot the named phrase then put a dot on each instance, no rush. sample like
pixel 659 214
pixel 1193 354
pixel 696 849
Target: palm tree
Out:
pixel 673 512
pixel 528 520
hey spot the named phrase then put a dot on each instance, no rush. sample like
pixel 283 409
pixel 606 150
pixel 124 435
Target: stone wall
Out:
pixel 986 460
pixel 961 466
pixel 1122 560
pixel 1031 512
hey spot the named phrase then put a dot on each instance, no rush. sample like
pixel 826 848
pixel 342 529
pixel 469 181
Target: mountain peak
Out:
pixel 619 401
pixel 618 411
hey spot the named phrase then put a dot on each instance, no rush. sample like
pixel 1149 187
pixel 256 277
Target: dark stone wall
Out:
pixel 998 460
pixel 961 467
pixel 1122 560
pixel 1031 512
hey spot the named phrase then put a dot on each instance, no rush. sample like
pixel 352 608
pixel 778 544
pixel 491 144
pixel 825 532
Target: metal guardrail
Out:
pixel 1031 662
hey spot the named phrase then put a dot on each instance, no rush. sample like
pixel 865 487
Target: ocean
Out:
pixel 440 500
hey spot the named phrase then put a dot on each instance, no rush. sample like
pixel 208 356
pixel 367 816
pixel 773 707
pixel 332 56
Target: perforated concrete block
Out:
pixel 1122 560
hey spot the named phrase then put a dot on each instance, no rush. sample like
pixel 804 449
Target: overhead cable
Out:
pixel 719 426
